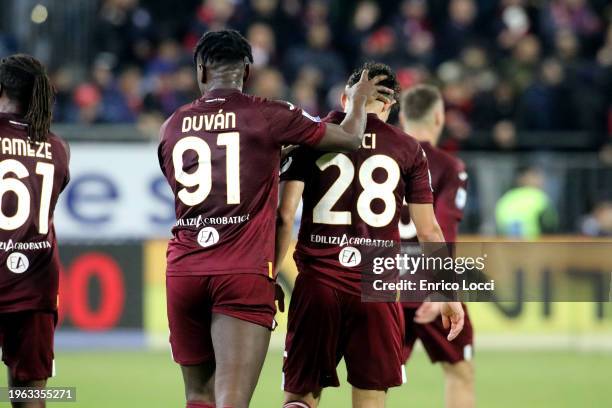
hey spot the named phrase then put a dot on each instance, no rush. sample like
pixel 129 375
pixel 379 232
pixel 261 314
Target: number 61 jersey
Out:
pixel 352 202
pixel 32 176
pixel 221 157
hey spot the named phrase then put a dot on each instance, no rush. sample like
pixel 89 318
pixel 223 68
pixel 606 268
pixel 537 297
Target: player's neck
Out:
pixel 8 106
pixel 224 85
pixel 384 116
pixel 224 80
pixel 421 133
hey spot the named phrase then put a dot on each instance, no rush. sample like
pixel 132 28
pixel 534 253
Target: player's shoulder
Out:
pixel 60 144
pixel 272 105
pixel 172 121
pixel 443 158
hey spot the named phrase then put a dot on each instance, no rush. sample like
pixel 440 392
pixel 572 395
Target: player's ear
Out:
pixel 438 117
pixel 389 105
pixel 343 100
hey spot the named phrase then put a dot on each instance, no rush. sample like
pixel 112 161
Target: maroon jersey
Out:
pixel 352 202
pixel 32 176
pixel 449 180
pixel 220 155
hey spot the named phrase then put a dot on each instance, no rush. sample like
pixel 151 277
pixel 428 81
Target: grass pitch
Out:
pixel 128 379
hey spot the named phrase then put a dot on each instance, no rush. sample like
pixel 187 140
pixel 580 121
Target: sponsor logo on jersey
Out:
pixel 11 245
pixel 208 236
pixel 17 262
pixel 349 257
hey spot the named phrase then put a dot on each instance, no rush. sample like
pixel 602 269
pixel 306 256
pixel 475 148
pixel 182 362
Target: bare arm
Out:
pixel 424 218
pixel 290 196
pixel 347 136
pixel 428 230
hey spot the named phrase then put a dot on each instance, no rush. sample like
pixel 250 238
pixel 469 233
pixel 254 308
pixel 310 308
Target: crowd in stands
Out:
pixel 506 67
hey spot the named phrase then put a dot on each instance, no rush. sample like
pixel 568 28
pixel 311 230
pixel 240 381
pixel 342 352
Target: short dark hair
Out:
pixel 225 46
pixel 375 69
pixel 25 81
pixel 418 101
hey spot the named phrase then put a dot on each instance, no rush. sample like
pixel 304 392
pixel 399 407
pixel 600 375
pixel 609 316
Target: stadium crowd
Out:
pixel 497 62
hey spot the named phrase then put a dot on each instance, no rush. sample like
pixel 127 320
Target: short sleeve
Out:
pixel 418 180
pixel 450 199
pixel 295 165
pixel 291 125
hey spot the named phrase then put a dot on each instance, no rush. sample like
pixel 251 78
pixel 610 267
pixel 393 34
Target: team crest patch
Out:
pixel 349 256
pixel 17 262
pixel 208 236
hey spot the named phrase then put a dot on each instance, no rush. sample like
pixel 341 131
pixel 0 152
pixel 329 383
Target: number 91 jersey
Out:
pixel 32 176
pixel 221 157
pixel 352 202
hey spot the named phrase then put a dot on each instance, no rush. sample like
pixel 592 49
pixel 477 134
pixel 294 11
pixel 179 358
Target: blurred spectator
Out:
pixel 458 29
pixel 521 67
pixel 317 54
pixel 599 222
pixel 525 211
pixel 496 62
pixel 261 38
pixel 551 98
pixel 504 135
pixel 513 24
pixel 269 83
pixel 124 29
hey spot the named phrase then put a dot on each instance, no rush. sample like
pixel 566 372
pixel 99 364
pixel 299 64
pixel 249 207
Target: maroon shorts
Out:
pixel 325 325
pixel 26 339
pixel 191 301
pixel 433 336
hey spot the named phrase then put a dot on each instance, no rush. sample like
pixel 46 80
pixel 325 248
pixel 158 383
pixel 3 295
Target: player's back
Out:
pixel 352 202
pixel 448 180
pixel 221 157
pixel 33 176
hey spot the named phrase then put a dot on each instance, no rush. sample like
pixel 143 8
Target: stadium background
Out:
pixel 528 84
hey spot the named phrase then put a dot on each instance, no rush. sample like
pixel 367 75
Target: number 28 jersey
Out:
pixel 352 201
pixel 32 176
pixel 221 157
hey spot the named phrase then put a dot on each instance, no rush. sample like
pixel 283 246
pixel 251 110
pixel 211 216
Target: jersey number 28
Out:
pixel 385 191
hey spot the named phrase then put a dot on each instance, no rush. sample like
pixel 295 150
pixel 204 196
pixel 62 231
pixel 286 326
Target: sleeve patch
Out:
pixel 461 198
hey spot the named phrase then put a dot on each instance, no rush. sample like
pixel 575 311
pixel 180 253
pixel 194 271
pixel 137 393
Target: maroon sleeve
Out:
pixel 450 200
pixel 66 147
pixel 291 125
pixel 418 180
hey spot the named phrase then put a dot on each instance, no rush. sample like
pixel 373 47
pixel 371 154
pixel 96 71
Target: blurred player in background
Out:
pixel 359 195
pixel 33 173
pixel 220 155
pixel 422 116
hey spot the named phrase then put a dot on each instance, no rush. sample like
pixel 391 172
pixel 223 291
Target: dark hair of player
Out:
pixel 375 69
pixel 223 47
pixel 418 101
pixel 25 81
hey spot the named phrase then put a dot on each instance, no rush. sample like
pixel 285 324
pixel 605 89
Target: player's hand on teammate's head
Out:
pixel 427 312
pixel 279 297
pixel 453 317
pixel 366 89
